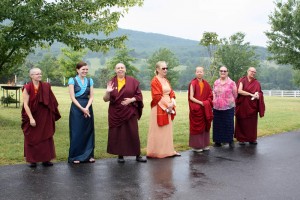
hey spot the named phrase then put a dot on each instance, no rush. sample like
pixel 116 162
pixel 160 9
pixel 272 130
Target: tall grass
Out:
pixel 282 114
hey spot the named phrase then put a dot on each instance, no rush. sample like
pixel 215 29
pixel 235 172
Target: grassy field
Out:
pixel 282 114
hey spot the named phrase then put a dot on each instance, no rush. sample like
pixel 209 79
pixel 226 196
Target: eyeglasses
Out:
pixel 223 71
pixel 254 72
pixel 38 74
pixel 164 68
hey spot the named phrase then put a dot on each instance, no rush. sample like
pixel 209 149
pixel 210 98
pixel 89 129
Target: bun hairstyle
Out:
pixel 158 65
pixel 80 64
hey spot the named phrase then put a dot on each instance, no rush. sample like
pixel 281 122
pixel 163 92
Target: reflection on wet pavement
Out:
pixel 245 172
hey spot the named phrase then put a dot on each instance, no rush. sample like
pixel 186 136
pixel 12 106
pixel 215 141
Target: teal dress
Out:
pixel 82 132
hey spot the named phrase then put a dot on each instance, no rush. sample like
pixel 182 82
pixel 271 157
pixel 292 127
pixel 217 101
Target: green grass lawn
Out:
pixel 282 115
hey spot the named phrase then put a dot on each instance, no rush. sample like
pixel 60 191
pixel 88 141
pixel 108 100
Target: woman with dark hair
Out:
pixel 225 93
pixel 81 119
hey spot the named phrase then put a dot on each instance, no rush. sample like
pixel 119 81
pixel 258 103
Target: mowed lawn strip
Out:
pixel 282 115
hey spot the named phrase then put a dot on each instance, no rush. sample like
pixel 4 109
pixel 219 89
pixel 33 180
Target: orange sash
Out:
pixel 157 94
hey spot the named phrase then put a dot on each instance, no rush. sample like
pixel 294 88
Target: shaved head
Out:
pixel 200 68
pixel 120 65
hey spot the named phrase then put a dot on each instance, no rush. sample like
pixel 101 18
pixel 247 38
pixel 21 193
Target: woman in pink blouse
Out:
pixel 224 95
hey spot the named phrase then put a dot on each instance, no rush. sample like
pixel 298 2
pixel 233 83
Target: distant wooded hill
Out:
pixel 189 53
pixel 143 45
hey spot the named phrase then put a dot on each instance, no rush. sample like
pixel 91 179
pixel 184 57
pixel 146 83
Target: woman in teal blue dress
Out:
pixel 81 119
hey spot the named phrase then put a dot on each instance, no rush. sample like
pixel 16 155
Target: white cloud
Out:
pixel 190 18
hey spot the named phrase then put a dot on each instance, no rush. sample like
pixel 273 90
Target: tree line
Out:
pixel 30 24
pixel 57 69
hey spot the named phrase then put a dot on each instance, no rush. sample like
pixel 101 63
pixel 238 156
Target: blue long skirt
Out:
pixel 82 133
pixel 223 125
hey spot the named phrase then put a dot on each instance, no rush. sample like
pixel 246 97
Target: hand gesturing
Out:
pixel 110 86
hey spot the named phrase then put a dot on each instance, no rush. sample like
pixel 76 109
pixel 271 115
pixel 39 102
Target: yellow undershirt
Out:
pixel 121 84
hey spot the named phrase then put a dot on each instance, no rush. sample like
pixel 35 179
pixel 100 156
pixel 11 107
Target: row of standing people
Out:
pixel 219 105
pixel 40 111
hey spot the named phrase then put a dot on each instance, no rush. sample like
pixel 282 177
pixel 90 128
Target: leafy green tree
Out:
pixel 144 78
pixel 123 56
pixel 21 71
pixel 279 77
pixel 210 41
pixel 284 36
pixel 186 76
pixel 296 78
pixel 27 24
pixel 101 77
pixel 49 66
pixel 284 78
pixel 265 75
pixel 236 55
pixel 25 68
pixel 102 61
pixel 68 60
pixel 164 54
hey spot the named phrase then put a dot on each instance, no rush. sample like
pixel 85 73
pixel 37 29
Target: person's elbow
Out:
pixel 91 98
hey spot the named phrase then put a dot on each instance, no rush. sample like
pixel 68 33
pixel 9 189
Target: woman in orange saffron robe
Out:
pixel 160 135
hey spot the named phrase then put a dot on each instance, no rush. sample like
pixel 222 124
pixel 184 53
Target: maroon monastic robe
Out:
pixel 123 136
pixel 247 110
pixel 38 140
pixel 200 116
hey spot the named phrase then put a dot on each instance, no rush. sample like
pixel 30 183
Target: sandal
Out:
pixel 91 160
pixel 177 155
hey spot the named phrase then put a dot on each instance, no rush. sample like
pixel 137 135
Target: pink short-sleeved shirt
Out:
pixel 224 94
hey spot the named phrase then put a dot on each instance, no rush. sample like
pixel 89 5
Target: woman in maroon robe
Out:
pixel 39 113
pixel 125 109
pixel 200 103
pixel 250 101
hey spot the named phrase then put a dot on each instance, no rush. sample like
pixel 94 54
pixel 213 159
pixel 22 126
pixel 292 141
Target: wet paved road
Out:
pixel 270 170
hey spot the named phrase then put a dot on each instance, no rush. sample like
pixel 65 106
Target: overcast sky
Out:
pixel 190 18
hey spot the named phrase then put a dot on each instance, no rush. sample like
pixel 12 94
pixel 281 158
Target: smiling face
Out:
pixel 223 72
pixel 35 74
pixel 120 70
pixel 161 68
pixel 251 73
pixel 82 71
